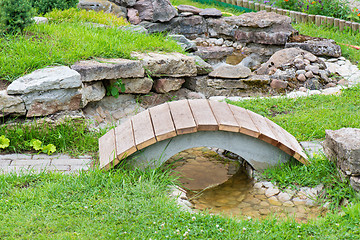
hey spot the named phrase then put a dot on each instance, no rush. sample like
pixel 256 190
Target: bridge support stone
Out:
pixel 259 154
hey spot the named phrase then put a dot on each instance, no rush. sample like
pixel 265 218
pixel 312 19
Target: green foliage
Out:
pixel 113 89
pixel 15 15
pixel 319 171
pixel 38 146
pixel 330 8
pixel 4 142
pixel 45 6
pixel 82 16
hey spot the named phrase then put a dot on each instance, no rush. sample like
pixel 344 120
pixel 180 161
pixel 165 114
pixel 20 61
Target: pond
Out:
pixel 221 185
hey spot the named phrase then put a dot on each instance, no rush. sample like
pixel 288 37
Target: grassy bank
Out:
pixel 133 205
pixel 307 117
pixel 63 42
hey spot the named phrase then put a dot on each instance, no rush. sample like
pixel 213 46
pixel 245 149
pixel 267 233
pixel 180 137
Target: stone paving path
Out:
pixel 25 163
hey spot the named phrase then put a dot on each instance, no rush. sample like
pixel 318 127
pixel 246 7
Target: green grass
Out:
pixel 319 171
pixel 72 137
pixel 133 205
pixel 307 117
pixel 65 43
pixel 344 37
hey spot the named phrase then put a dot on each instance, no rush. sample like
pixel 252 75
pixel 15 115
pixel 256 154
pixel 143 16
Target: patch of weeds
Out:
pixel 71 137
pixel 76 15
pixel 319 171
pixel 113 89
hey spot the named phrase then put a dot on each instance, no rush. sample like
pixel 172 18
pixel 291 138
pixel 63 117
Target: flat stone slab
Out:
pixel 167 64
pixel 230 71
pixel 99 69
pixel 11 105
pixel 45 79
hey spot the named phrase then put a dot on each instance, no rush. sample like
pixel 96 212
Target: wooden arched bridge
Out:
pixel 153 136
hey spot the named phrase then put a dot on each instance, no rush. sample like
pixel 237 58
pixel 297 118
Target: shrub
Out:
pixel 44 6
pixel 15 15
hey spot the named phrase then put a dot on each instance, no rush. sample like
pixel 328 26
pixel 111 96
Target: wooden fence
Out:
pixel 298 17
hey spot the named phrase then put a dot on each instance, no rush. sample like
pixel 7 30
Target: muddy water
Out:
pixel 222 187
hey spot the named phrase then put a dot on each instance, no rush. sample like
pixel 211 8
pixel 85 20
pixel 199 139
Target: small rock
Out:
pixel 309 74
pixel 312 84
pixel 343 82
pixel 301 78
pixel 311 57
pixel 303 89
pixel 258 185
pixel 210 12
pixel 195 95
pixel 332 60
pixel 133 16
pixel 278 84
pixel 274 201
pixel 268 184
pixel 288 204
pixel 298 201
pixel 264 211
pixel 219 41
pixel 298 72
pixel 271 192
pixel 329 85
pixel 284 197
pixel 40 20
pixel 312 68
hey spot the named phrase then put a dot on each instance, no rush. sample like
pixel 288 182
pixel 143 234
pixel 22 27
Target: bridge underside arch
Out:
pixel 259 154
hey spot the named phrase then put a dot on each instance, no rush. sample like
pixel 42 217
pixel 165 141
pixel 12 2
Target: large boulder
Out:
pixel 13 105
pixel 94 70
pixel 155 10
pixel 45 79
pixel 165 85
pixel 255 27
pixel 343 146
pixel 43 103
pixel 103 5
pixel 318 46
pixel 167 64
pixel 124 3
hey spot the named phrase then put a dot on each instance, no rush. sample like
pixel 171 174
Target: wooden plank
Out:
pixel 224 116
pixel 125 142
pixel 203 115
pixel 143 130
pixel 300 155
pixel 182 117
pixel 107 149
pixel 284 142
pixel 246 124
pixel 266 133
pixel 162 122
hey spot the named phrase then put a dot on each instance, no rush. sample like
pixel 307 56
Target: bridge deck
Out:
pixel 188 116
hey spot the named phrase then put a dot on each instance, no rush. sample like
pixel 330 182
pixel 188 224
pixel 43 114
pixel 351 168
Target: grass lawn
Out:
pixel 123 204
pixel 133 205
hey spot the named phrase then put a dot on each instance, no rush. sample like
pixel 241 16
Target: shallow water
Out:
pixel 212 185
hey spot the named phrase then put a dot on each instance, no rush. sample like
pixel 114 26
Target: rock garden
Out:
pixel 72 74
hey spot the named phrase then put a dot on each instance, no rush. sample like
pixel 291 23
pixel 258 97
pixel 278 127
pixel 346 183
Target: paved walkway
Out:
pixel 23 163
